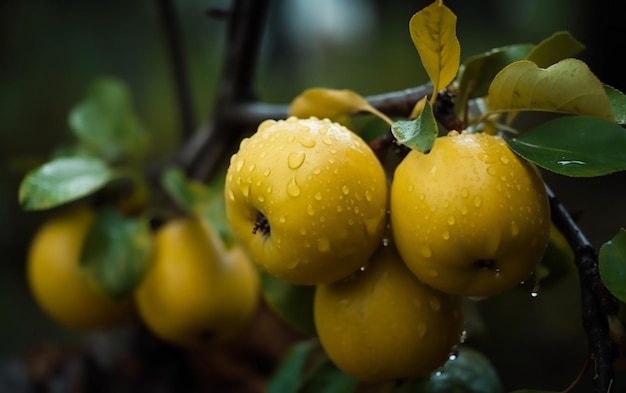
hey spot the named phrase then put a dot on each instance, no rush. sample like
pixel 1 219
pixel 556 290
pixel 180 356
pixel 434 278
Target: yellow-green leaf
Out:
pixel 565 87
pixel 433 31
pixel 332 104
pixel 560 45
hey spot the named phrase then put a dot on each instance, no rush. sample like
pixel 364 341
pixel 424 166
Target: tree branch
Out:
pixel 597 302
pixel 202 154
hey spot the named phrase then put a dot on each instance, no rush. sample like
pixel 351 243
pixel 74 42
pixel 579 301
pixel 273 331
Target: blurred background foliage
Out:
pixel 52 50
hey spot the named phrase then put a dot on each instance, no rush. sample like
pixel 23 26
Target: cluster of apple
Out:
pixel 391 255
pixel 194 290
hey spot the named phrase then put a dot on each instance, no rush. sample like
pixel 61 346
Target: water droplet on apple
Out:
pixel 435 304
pixel 318 196
pixel 260 198
pixel 345 190
pixel 426 251
pixel 282 219
pixel 451 220
pixel 295 159
pixel 323 244
pixel 307 142
pixel 371 225
pixel 327 140
pixel 514 228
pixel 477 201
pixel 239 164
pixel 245 190
pixel 310 210
pixel 293 188
pixel 446 235
pixel 267 172
pixel 464 192
pixel 368 195
pixel 504 160
pixel 317 171
pixel 491 170
pixel 385 242
pixel 231 195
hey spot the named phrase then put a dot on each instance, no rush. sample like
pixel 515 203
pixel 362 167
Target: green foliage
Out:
pixel 613 265
pixel 105 124
pixel 466 371
pixel 306 370
pixel 63 180
pixel 293 303
pixel 418 134
pixel 116 252
pixel 580 146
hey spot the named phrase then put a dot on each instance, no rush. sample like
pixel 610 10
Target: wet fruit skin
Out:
pixel 322 192
pixel 55 279
pixel 195 292
pixel 470 217
pixel 384 324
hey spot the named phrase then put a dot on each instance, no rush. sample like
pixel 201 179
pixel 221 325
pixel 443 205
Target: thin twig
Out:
pixel 179 66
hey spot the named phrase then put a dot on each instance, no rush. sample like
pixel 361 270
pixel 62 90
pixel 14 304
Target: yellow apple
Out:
pixel 384 324
pixel 307 198
pixel 194 291
pixel 470 217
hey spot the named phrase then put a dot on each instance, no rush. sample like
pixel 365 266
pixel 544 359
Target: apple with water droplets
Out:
pixel 307 198
pixel 470 217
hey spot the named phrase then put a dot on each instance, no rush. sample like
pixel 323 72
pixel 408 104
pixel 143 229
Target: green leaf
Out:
pixel 433 32
pixel 565 87
pixel 479 70
pixel 290 373
pixel 105 122
pixel 63 180
pixel 292 303
pixel 612 263
pixel 176 184
pixel 557 47
pixel 116 252
pixel 468 371
pixel 618 103
pixel 327 378
pixel 577 146
pixel 210 204
pixel 418 134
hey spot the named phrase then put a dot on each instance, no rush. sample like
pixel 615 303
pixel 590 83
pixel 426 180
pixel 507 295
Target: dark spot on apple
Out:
pixel 261 224
pixel 487 264
pixel 207 335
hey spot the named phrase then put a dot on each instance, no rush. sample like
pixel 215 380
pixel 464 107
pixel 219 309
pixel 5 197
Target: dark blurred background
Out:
pixel 52 50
